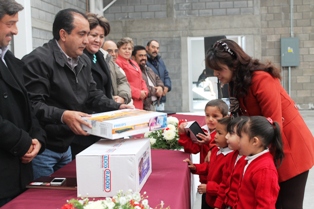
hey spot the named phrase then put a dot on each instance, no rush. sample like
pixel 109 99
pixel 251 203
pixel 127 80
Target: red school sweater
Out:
pixel 194 148
pixel 259 185
pixel 233 171
pixel 214 170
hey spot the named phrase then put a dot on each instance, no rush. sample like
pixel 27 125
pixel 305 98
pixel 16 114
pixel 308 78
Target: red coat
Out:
pixel 227 193
pixel 259 187
pixel 135 80
pixel 268 98
pixel 214 170
pixel 194 148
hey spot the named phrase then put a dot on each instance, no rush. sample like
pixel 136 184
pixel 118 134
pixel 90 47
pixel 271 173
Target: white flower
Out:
pixel 169 134
pixel 123 200
pixel 146 135
pixel 152 141
pixel 95 205
pixel 171 127
pixel 136 196
pixel 172 120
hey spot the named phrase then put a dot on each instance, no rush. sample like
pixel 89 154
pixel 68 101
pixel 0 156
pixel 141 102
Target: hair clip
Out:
pixel 225 47
pixel 270 120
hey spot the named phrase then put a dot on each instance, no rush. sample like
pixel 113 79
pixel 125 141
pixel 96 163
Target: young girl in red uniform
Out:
pixel 214 110
pixel 233 169
pixel 260 141
pixel 214 168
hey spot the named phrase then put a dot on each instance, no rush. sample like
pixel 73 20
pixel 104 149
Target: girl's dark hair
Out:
pixel 224 121
pixel 267 131
pixel 234 123
pixel 228 52
pixel 220 104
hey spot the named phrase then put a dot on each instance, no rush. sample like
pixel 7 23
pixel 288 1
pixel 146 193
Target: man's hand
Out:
pixel 191 166
pixel 159 91
pixel 126 106
pixel 32 151
pixel 74 120
pixel 165 91
pixel 118 99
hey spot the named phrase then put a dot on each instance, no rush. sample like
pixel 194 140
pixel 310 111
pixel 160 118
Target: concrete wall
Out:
pixel 171 22
pixel 263 23
pixel 43 13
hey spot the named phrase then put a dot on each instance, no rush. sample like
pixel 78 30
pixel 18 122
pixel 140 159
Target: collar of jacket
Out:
pixel 82 60
pixel 151 59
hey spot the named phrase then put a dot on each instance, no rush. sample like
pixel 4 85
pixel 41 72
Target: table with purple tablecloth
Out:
pixel 168 182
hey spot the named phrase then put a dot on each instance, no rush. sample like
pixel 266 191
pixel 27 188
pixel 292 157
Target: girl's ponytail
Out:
pixel 276 145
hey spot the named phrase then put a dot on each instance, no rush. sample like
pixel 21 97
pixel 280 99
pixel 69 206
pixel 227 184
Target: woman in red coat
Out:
pixel 255 89
pixel 132 71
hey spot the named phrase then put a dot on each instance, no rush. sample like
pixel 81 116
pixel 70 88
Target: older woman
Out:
pixel 133 72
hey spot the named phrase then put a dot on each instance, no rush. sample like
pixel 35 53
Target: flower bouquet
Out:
pixel 128 200
pixel 166 138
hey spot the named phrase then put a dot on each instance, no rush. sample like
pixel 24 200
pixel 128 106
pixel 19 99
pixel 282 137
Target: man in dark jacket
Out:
pixel 155 62
pixel 59 80
pixel 21 137
pixel 153 82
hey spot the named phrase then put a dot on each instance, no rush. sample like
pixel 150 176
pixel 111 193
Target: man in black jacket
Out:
pixel 59 80
pixel 21 137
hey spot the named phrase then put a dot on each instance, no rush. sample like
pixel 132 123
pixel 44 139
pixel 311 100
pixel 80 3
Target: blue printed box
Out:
pixel 109 166
pixel 123 123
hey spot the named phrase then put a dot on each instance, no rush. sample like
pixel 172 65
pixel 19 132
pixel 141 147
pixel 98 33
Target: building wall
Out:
pixel 263 23
pixel 172 22
pixel 43 13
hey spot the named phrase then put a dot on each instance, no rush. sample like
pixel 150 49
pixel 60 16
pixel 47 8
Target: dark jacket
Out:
pixel 18 126
pixel 54 88
pixel 159 67
pixel 99 75
pixel 147 72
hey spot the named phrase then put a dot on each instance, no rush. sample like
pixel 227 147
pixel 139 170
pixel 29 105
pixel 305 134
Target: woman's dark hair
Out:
pixel 64 20
pixel 95 20
pixel 228 52
pixel 267 131
pixel 220 104
pixel 9 7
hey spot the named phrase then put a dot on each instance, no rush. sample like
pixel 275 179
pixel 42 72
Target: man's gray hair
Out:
pixel 9 7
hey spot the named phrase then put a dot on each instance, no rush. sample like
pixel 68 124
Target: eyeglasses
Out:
pixel 110 51
pixel 224 46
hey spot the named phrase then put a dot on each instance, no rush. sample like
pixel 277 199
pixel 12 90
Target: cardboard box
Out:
pixel 109 166
pixel 123 123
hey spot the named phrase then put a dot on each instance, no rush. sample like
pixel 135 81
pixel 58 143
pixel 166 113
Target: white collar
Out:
pixel 225 151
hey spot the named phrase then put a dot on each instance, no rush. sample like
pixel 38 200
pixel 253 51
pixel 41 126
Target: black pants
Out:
pixel 204 204
pixel 80 143
pixel 291 192
pixel 4 201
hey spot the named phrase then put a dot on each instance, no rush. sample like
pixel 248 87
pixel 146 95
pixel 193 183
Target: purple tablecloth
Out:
pixel 169 182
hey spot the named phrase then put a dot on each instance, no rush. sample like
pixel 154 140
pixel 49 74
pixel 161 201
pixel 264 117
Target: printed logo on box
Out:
pixel 105 161
pixel 119 125
pixel 107 177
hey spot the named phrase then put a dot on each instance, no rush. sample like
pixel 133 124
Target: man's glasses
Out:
pixel 224 47
pixel 110 51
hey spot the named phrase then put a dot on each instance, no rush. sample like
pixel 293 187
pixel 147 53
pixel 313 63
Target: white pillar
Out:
pixel 23 41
